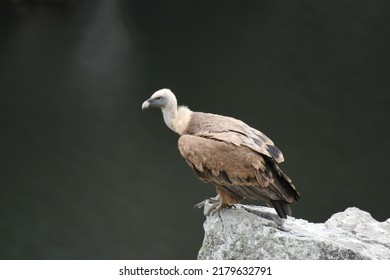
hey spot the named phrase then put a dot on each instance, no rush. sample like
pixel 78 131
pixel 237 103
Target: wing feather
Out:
pixel 239 170
pixel 233 131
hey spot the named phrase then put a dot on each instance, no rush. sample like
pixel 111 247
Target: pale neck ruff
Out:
pixel 180 121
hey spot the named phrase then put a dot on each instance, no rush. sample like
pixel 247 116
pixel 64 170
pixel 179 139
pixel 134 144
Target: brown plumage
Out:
pixel 239 160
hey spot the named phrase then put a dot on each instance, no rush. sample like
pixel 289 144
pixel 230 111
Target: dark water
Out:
pixel 85 174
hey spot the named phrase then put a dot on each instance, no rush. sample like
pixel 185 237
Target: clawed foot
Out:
pixel 212 205
pixel 210 200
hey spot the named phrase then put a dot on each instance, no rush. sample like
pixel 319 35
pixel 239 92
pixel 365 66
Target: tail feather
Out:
pixel 282 208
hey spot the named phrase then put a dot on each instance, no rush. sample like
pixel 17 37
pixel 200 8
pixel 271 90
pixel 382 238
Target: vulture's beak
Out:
pixel 146 105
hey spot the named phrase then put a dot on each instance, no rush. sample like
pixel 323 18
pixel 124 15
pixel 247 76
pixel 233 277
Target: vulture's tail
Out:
pixel 282 208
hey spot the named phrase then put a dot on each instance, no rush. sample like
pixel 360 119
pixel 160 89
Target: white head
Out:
pixel 166 101
pixel 163 99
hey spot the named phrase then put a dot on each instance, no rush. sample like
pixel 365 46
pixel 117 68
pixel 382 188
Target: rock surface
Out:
pixel 254 232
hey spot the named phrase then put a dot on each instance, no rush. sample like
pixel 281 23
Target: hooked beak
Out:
pixel 146 105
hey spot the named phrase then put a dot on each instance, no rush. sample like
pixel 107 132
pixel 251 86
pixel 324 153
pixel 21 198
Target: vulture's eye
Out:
pixel 158 98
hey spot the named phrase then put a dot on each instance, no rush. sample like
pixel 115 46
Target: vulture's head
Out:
pixel 163 98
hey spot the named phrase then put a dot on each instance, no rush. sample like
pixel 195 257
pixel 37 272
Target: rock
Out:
pixel 254 232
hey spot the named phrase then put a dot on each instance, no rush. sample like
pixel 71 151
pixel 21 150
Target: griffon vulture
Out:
pixel 239 160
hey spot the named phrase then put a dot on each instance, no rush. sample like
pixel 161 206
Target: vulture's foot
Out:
pixel 210 200
pixel 211 205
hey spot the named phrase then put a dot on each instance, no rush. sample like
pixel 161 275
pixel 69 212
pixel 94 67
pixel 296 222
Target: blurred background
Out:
pixel 86 174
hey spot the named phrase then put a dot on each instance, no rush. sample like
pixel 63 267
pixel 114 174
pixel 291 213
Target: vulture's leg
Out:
pixel 212 204
pixel 224 199
pixel 210 200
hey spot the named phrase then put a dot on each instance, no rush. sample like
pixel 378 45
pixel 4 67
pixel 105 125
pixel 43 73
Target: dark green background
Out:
pixel 86 174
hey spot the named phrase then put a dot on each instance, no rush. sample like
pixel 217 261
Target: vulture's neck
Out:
pixel 177 119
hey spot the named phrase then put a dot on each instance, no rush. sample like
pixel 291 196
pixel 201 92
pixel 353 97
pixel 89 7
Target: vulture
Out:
pixel 239 160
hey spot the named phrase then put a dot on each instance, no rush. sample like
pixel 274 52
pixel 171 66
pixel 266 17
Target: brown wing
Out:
pixel 237 170
pixel 233 131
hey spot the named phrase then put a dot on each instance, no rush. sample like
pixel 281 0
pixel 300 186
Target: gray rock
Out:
pixel 254 232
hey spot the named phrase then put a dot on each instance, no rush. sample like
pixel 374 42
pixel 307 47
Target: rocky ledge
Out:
pixel 254 232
